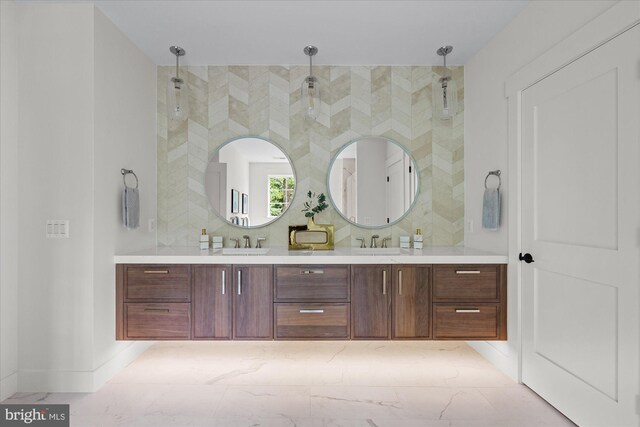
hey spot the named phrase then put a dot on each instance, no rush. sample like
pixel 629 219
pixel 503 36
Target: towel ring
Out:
pixel 495 173
pixel 126 172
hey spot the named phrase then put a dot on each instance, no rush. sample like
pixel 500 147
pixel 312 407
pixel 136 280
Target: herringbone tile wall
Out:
pixel 231 101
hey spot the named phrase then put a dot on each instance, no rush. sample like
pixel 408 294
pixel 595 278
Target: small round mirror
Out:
pixel 373 182
pixel 250 182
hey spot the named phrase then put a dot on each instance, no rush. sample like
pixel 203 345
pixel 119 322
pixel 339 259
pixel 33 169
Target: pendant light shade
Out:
pixel 177 94
pixel 310 93
pixel 446 94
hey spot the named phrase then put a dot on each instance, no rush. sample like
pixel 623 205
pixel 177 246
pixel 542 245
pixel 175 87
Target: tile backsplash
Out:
pixel 231 101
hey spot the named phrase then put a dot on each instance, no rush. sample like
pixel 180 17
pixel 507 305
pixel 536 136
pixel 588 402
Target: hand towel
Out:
pixel 131 207
pixel 491 209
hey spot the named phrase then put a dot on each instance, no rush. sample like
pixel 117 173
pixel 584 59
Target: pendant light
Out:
pixel 177 94
pixel 447 90
pixel 310 98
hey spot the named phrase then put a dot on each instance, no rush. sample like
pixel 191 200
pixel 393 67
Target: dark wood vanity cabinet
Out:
pixel 211 303
pixel 253 302
pixel 262 302
pixel 470 302
pixel 411 302
pixel 312 302
pixel 370 302
pixel 153 301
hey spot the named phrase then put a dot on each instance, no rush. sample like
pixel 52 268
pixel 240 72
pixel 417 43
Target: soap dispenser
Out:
pixel 417 239
pixel 204 240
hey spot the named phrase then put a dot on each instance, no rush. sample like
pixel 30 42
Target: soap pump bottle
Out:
pixel 417 239
pixel 204 240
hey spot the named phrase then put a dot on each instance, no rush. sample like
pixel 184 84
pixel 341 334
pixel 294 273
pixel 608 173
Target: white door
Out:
pixel 581 224
pixel 395 188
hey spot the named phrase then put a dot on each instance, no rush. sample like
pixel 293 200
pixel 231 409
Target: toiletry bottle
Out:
pixel 417 239
pixel 204 240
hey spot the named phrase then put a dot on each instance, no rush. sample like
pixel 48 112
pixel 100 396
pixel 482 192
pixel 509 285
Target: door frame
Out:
pixel 616 20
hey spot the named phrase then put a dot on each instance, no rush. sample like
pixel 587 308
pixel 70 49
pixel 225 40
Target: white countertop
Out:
pixel 279 255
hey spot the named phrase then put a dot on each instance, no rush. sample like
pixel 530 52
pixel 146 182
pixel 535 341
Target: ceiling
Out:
pixel 390 32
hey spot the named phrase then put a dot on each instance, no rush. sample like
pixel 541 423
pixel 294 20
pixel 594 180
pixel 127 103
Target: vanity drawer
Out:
pixel 312 283
pixel 467 321
pixel 465 282
pixel 158 282
pixel 316 321
pixel 157 320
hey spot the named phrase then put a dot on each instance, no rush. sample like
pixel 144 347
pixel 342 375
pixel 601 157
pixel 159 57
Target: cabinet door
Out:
pixel 211 302
pixel 411 302
pixel 253 302
pixel 370 302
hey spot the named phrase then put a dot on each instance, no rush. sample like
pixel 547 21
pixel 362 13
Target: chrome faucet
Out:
pixel 237 242
pixel 247 241
pixel 260 239
pixel 362 245
pixel 384 242
pixel 373 241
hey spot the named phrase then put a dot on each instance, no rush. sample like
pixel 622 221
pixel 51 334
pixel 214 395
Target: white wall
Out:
pixel 370 165
pixel 56 181
pixel 124 137
pixel 539 27
pixel 9 174
pixel 237 176
pixel 87 110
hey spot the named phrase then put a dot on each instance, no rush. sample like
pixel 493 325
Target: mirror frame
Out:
pixel 373 227
pixel 293 169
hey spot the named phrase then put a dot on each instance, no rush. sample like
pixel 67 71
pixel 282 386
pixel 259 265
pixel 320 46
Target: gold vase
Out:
pixel 311 236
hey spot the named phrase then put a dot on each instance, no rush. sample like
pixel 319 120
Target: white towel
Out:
pixel 491 209
pixel 130 207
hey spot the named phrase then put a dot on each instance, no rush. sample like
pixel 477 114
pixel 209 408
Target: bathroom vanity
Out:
pixel 439 293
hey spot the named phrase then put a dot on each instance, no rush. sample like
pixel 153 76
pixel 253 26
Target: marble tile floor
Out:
pixel 307 384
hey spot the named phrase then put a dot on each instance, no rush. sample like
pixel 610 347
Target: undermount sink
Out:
pixel 245 251
pixel 376 251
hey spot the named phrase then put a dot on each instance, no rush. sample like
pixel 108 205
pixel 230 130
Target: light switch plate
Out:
pixel 57 229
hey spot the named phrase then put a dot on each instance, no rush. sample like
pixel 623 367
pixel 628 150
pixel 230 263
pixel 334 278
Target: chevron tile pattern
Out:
pixel 238 100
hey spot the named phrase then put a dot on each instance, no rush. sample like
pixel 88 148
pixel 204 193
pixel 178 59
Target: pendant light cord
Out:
pixel 177 67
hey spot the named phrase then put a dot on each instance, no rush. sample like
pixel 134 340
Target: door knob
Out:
pixel 526 258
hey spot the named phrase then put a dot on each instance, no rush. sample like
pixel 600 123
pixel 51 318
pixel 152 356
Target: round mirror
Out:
pixel 373 182
pixel 250 182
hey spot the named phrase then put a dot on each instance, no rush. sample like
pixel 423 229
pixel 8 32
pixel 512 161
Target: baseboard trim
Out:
pixel 117 363
pixel 79 381
pixel 8 386
pixel 505 360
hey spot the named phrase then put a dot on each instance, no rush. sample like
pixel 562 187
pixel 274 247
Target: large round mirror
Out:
pixel 250 182
pixel 373 182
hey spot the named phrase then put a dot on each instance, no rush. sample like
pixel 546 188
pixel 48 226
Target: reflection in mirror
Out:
pixel 373 182
pixel 249 182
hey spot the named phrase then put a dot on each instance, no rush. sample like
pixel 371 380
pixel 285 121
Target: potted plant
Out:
pixel 315 205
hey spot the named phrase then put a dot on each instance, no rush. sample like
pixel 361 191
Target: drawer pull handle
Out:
pixel 311 310
pixel 467 310
pixel 162 310
pixel 467 271
pixel 156 272
pixel 224 282
pixel 384 282
pixel 312 272
pixel 239 282
pixel 399 282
